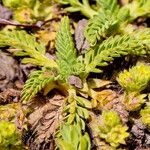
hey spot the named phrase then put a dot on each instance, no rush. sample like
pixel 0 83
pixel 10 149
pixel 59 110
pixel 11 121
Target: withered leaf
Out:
pixel 81 43
pixel 76 81
pixel 5 13
pixel 44 122
pixel 102 99
pixel 97 83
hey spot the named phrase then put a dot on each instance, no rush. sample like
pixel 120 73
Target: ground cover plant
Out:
pixel 74 74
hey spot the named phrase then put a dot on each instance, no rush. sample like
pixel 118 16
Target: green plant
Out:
pixel 12 3
pixel 29 11
pixel 133 101
pixel 136 79
pixel 8 112
pixel 139 8
pixel 108 21
pixel 26 46
pixel 111 129
pixel 72 139
pixel 136 8
pixel 69 73
pixel 113 47
pixel 9 136
pixel 145 115
pixel 75 5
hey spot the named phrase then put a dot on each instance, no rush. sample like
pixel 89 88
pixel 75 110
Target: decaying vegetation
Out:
pixel 74 74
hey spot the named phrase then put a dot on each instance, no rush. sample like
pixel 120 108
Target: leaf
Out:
pixel 139 8
pixel 84 142
pixel 110 20
pixel 143 35
pixel 66 52
pixel 145 114
pixel 78 140
pixel 64 145
pixel 111 48
pixel 77 5
pixel 27 44
pixel 100 99
pixel 37 81
pixel 9 135
pixel 97 83
pixel 109 5
pixel 133 101
pixel 84 102
pixel 99 27
pixel 82 112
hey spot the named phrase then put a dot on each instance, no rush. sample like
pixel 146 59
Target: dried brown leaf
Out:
pixel 81 43
pixel 5 13
pixel 44 122
pixel 101 99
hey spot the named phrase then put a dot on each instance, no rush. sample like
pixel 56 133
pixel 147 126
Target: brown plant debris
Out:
pixel 44 122
pixel 5 13
pixel 140 136
pixel 9 95
pixel 81 43
pixel 9 71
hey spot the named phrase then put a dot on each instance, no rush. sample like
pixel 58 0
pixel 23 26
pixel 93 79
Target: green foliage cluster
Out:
pixel 76 5
pixel 107 22
pixel 38 80
pixel 9 136
pixel 26 46
pixel 66 50
pixel 58 72
pixel 8 112
pixel 137 8
pixel 69 72
pixel 108 18
pixel 111 129
pixel 29 11
pixel 133 101
pixel 113 47
pixel 145 115
pixel 134 81
pixel 72 139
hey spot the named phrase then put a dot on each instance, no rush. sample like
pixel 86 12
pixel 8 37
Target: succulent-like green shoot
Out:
pixel 136 79
pixel 9 136
pixel 111 129
pixel 145 113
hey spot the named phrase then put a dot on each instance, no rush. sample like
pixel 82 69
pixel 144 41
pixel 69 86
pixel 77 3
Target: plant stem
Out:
pixel 88 12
